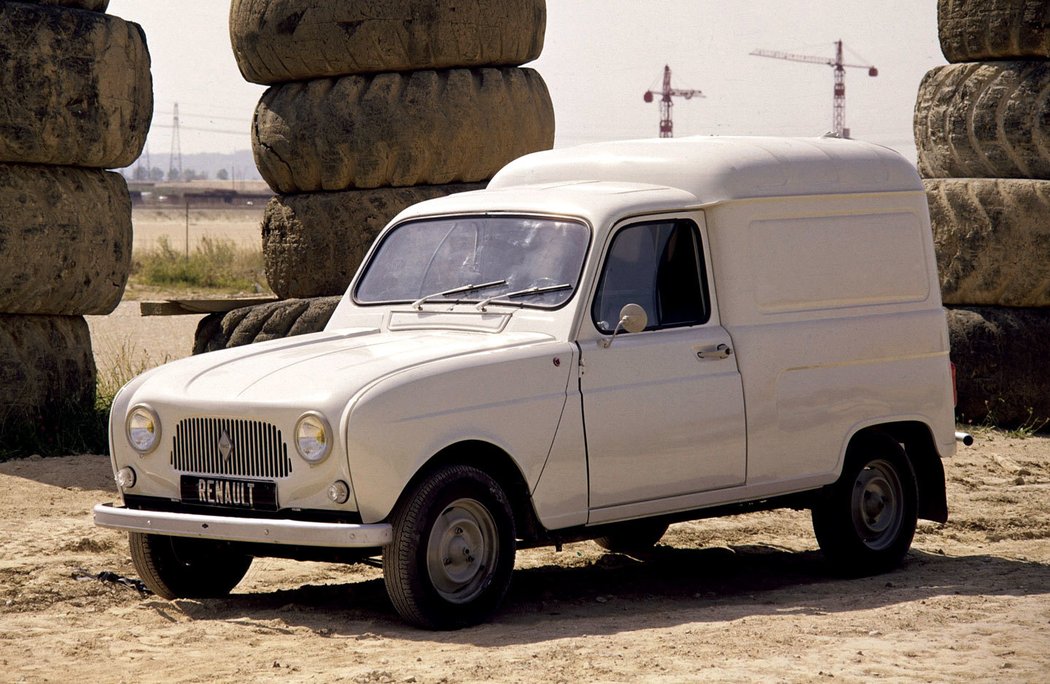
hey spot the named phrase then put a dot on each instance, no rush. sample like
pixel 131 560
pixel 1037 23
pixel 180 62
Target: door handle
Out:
pixel 722 351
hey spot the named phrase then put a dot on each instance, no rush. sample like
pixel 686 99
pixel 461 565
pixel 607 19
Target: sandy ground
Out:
pixel 737 599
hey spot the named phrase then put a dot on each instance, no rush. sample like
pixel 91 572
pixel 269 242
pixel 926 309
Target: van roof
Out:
pixel 715 168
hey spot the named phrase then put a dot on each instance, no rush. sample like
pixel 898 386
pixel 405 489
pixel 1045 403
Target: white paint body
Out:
pixel 822 283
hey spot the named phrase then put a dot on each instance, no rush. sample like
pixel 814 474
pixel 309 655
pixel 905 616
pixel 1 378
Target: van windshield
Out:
pixel 515 260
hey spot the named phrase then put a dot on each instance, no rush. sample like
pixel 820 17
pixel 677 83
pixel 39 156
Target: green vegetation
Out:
pixel 214 264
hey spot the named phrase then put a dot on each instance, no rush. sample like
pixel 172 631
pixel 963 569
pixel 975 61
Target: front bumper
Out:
pixel 289 532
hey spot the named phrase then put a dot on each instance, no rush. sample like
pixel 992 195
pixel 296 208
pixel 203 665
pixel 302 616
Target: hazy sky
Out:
pixel 599 59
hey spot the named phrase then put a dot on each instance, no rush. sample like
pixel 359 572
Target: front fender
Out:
pixel 511 398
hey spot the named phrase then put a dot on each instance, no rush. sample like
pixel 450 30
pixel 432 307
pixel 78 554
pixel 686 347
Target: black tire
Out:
pixel 178 567
pixel 1000 357
pixel 263 322
pixel 451 560
pixel 65 240
pixel 983 30
pixel 75 88
pixel 984 120
pixel 633 537
pixel 48 370
pixel 990 237
pixel 277 41
pixel 314 242
pixel 865 522
pixel 399 130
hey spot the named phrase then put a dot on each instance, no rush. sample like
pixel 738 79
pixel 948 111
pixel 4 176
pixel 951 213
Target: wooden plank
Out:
pixel 184 307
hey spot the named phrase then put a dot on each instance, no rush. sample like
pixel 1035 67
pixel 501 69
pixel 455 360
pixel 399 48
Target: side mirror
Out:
pixel 633 319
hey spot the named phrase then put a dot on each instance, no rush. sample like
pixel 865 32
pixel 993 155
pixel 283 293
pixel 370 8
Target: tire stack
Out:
pixel 374 106
pixel 76 97
pixel 982 129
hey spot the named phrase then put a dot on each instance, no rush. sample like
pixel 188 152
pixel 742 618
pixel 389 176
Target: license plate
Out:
pixel 252 495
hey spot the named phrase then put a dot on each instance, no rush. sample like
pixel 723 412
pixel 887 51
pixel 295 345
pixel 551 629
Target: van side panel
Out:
pixel 835 313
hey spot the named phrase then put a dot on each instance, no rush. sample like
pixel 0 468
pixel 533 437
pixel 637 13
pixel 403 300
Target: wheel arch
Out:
pixel 497 464
pixel 921 449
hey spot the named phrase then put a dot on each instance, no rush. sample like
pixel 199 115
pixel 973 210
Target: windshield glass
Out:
pixel 519 261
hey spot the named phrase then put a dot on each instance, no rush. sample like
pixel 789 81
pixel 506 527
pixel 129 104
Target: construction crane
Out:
pixel 838 116
pixel 666 123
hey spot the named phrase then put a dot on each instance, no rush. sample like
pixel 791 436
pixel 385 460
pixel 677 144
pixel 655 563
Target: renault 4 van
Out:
pixel 606 340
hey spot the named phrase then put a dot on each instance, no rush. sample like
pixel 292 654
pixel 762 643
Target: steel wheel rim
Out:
pixel 462 550
pixel 877 505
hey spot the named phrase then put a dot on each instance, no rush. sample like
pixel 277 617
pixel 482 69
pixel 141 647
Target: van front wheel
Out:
pixel 451 559
pixel 865 522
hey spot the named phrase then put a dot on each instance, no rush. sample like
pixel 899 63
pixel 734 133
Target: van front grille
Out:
pixel 227 446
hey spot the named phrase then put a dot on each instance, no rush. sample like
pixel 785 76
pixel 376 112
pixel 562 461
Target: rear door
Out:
pixel 663 408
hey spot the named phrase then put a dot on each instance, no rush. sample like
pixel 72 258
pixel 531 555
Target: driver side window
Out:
pixel 659 266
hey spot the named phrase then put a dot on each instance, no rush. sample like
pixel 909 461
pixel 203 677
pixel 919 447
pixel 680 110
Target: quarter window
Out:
pixel 659 266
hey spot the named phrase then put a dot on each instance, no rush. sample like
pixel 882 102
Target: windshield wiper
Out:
pixel 418 304
pixel 527 292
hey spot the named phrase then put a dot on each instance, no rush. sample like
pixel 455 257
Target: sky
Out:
pixel 599 59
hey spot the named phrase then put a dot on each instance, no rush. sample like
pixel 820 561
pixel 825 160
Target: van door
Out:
pixel 663 408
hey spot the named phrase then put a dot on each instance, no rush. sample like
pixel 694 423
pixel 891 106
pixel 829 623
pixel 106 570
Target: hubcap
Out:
pixel 462 550
pixel 877 504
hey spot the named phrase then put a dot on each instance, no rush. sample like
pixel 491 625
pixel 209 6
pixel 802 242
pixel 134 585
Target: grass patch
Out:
pixel 212 265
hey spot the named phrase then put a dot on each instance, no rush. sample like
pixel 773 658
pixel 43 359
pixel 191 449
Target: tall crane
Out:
pixel 666 123
pixel 838 117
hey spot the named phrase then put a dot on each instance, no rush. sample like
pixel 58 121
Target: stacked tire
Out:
pixel 75 98
pixel 982 129
pixel 372 107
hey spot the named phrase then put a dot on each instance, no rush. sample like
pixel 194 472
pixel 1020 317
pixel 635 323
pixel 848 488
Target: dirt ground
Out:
pixel 736 599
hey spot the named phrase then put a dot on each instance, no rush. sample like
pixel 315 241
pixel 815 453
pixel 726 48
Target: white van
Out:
pixel 608 339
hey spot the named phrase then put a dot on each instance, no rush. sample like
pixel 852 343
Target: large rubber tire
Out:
pixel 90 5
pixel 179 567
pixel 420 128
pixel 47 371
pixel 865 522
pixel 983 30
pixel 986 120
pixel 1000 358
pixel 75 88
pixel 276 41
pixel 991 237
pixel 313 243
pixel 633 537
pixel 251 324
pixel 451 560
pixel 65 240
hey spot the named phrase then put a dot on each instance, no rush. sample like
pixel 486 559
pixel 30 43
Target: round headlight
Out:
pixel 143 429
pixel 313 437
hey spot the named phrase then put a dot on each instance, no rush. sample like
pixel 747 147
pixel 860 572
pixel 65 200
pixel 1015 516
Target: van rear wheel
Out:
pixel 865 522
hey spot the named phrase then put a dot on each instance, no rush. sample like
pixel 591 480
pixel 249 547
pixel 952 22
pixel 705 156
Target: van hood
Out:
pixel 316 369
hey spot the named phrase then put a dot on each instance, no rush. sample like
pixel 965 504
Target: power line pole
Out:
pixel 176 148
